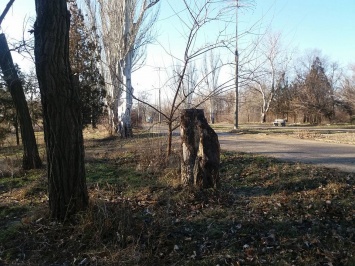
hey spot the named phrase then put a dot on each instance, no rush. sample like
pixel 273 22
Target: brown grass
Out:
pixel 265 213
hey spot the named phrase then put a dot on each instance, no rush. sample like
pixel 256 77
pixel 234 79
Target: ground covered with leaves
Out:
pixel 266 212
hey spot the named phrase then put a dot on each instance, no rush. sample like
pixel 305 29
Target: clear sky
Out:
pixel 326 25
pixel 12 26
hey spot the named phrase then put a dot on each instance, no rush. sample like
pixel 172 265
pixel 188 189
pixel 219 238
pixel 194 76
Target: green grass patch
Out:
pixel 120 174
pixel 21 180
pixel 101 173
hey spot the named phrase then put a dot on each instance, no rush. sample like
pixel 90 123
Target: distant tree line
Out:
pixel 320 94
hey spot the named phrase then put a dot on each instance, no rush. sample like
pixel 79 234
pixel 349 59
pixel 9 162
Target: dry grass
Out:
pixel 328 136
pixel 265 213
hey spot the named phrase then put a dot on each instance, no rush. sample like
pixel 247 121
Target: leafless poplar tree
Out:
pixel 125 29
pixel 211 68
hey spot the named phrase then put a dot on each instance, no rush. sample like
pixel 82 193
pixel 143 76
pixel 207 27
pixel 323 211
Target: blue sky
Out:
pixel 13 24
pixel 326 25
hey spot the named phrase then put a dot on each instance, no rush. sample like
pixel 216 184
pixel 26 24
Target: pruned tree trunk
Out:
pixel 206 170
pixel 30 159
pixel 61 111
pixel 200 151
pixel 190 144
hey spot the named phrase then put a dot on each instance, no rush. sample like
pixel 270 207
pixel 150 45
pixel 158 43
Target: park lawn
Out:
pixel 266 212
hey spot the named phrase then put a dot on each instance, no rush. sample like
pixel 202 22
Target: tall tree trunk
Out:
pixel 61 110
pixel 127 100
pixel 263 117
pixel 16 130
pixel 31 159
pixel 212 114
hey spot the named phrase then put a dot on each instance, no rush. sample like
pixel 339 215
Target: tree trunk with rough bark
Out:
pixel 61 111
pixel 189 142
pixel 17 131
pixel 206 170
pixel 170 138
pixel 30 159
pixel 200 151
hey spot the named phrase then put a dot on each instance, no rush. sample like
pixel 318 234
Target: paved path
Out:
pixel 341 156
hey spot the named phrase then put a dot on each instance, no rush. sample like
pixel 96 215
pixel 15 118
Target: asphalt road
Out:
pixel 341 156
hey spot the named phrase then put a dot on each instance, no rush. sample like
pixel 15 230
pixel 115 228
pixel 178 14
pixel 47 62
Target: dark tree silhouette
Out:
pixel 30 159
pixel 84 54
pixel 61 110
pixel 315 94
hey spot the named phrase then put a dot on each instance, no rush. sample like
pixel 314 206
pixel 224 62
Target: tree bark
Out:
pixel 61 111
pixel 212 114
pixel 170 138
pixel 189 142
pixel 16 130
pixel 263 117
pixel 127 72
pixel 200 151
pixel 30 159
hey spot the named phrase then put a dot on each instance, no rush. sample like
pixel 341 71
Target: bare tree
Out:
pixel 125 29
pixel 347 93
pixel 211 68
pixel 185 82
pixel 143 108
pixel 269 71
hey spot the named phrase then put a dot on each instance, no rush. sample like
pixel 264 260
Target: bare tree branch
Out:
pixel 7 8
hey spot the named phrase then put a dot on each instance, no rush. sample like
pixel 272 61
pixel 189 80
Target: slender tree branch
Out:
pixel 7 8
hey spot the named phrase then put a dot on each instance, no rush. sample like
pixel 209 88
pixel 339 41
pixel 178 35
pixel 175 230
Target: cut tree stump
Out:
pixel 200 150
